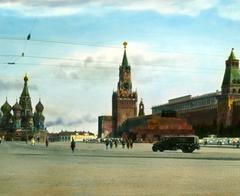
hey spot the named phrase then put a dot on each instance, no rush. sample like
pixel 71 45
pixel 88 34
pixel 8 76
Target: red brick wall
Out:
pixel 205 117
pixel 123 108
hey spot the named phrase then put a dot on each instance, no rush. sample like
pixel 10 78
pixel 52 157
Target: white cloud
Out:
pixel 13 85
pixel 174 7
pixel 230 10
pixel 102 64
pixel 39 10
pixel 69 7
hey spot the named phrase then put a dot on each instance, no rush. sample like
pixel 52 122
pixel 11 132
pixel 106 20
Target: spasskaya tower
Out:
pixel 124 100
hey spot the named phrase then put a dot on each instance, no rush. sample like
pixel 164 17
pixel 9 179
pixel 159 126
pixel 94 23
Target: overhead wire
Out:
pixel 75 43
pixel 94 44
pixel 147 65
pixel 152 67
pixel 90 44
pixel 28 37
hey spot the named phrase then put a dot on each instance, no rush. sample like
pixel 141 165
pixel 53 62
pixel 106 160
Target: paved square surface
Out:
pixel 93 170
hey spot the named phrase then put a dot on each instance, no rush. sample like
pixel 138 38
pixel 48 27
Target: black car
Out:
pixel 186 143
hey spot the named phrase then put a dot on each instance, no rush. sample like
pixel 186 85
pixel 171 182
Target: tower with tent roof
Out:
pixel 230 92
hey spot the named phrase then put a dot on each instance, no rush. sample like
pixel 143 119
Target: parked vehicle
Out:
pixel 186 143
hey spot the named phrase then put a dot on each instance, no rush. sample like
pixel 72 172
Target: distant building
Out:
pixel 213 113
pixel 20 116
pixel 78 137
pixel 66 136
pixel 149 128
pixel 198 110
pixel 104 126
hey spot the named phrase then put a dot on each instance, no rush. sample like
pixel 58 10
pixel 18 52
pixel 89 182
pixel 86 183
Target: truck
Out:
pixel 186 143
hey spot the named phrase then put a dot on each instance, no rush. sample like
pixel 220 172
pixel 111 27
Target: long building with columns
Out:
pixel 213 113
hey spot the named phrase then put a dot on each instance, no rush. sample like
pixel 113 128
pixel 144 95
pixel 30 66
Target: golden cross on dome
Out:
pixel 125 44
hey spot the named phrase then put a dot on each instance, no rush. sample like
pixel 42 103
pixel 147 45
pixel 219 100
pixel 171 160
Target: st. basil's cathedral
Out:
pixel 20 116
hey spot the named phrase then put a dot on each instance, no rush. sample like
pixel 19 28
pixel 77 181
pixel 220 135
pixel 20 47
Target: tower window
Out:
pixel 234 90
pixel 234 81
pixel 239 91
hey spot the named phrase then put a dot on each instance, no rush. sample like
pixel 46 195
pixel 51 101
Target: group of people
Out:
pixel 110 142
pixel 38 140
pixel 73 144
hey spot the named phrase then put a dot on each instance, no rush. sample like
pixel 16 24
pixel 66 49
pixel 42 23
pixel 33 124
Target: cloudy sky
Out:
pixel 175 48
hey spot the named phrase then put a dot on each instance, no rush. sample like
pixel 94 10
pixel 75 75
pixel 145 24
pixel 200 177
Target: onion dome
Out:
pixel 39 107
pixel 6 107
pixel 17 107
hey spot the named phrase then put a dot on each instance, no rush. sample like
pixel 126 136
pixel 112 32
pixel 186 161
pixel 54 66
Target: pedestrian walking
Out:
pixel 123 144
pixel 115 143
pixel 127 144
pixel 238 143
pixel 33 142
pixel 111 144
pixel 107 143
pixel 73 144
pixel 46 142
pixel 131 143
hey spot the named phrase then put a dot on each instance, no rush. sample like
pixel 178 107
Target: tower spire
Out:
pixel 232 55
pixel 231 77
pixel 125 60
pixel 26 105
pixel 141 108
pixel 25 91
